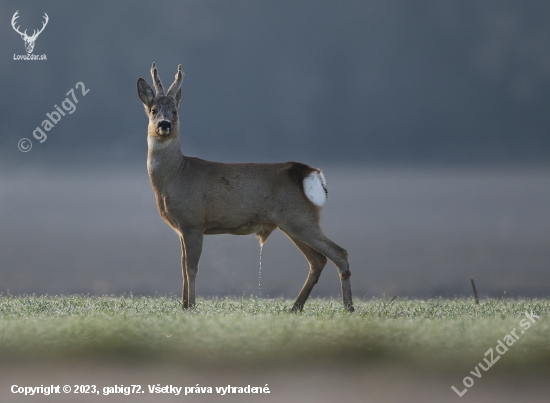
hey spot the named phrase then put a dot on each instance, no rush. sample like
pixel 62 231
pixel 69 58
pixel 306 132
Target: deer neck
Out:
pixel 164 160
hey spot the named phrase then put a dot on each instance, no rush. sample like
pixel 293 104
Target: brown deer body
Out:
pixel 198 197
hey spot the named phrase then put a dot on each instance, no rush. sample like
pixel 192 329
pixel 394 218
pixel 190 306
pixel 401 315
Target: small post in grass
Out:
pixel 475 292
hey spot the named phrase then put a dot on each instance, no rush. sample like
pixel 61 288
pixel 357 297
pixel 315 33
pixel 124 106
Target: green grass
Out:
pixel 437 332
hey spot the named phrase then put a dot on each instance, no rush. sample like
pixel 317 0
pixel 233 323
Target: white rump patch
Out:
pixel 315 187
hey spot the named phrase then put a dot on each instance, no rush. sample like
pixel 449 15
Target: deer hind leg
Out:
pixel 185 292
pixel 193 249
pixel 317 263
pixel 314 237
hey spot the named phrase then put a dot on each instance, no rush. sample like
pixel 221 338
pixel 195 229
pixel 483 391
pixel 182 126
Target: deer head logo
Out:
pixel 29 40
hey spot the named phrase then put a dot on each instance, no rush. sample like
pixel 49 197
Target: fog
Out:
pixel 412 233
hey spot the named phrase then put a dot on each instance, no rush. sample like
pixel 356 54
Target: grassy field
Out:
pixel 437 333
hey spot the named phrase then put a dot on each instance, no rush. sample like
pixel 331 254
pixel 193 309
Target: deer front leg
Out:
pixel 185 292
pixel 192 241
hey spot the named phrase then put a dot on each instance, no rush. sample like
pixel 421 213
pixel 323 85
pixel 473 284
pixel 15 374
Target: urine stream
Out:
pixel 260 274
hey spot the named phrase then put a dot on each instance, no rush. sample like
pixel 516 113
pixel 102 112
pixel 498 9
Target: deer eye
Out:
pixel 154 111
pixel 174 113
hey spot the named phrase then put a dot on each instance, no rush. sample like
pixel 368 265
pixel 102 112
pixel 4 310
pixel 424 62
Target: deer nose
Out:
pixel 165 125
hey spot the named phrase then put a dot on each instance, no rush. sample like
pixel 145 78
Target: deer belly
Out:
pixel 243 229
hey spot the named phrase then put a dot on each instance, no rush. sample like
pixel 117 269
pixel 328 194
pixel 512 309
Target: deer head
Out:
pixel 161 109
pixel 29 40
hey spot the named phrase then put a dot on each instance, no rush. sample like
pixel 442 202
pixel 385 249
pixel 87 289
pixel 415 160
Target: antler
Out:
pixel 24 34
pixel 35 34
pixel 156 80
pixel 15 16
pixel 174 88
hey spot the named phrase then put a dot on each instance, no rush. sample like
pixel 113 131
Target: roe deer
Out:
pixel 198 197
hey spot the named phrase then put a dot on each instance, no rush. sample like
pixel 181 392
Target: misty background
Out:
pixel 429 119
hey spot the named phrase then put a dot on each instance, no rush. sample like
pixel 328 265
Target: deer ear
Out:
pixel 145 92
pixel 178 97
